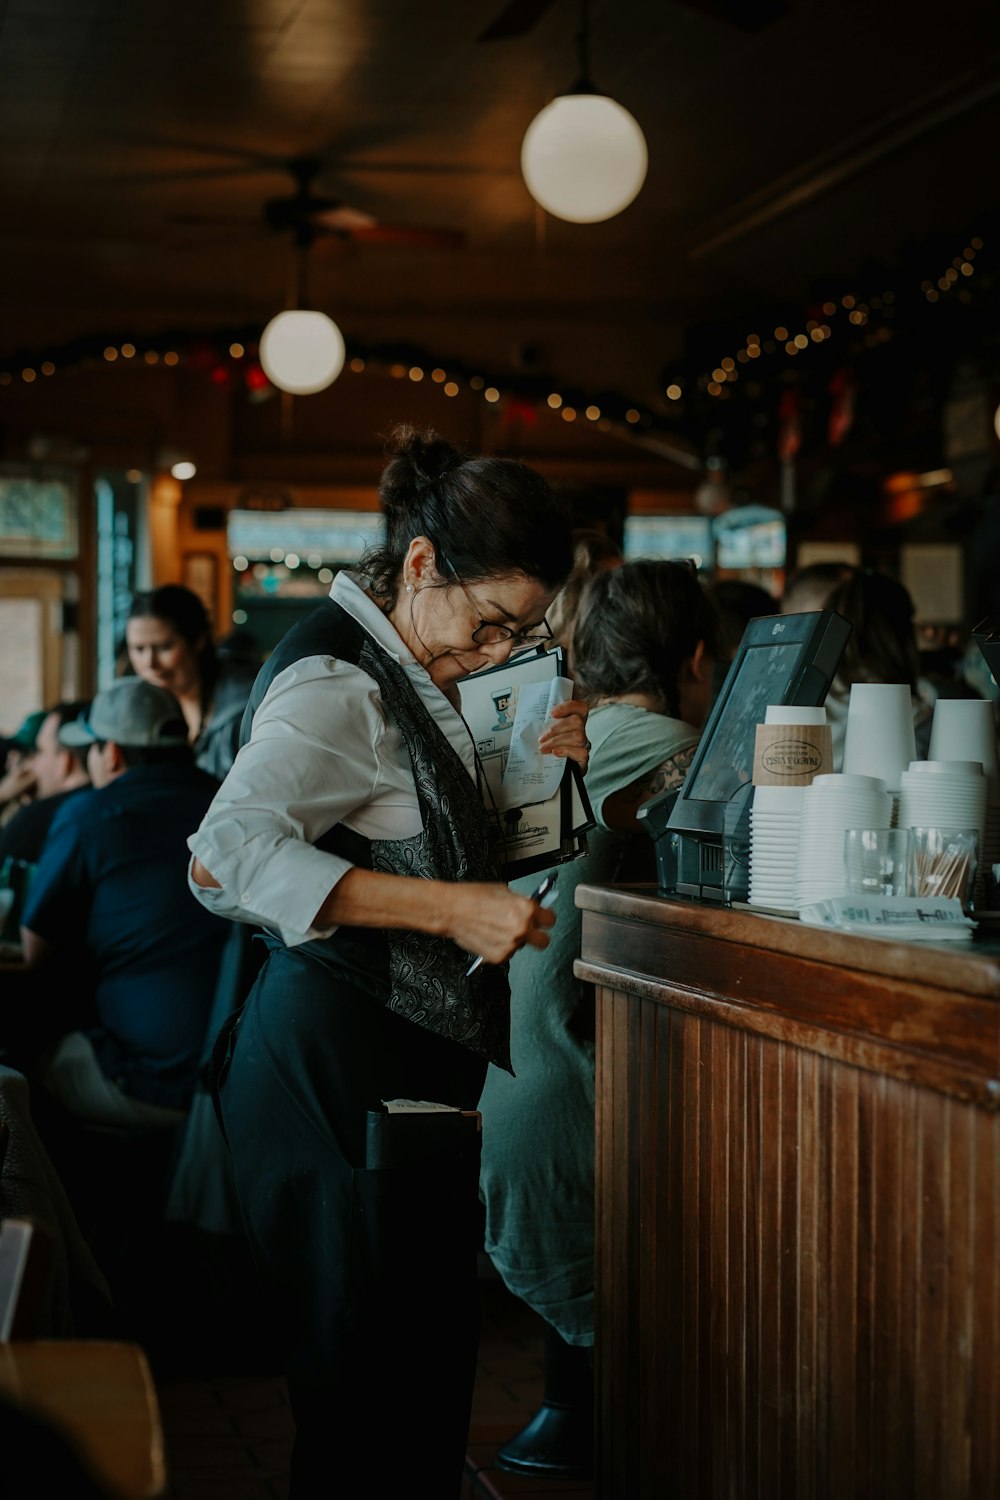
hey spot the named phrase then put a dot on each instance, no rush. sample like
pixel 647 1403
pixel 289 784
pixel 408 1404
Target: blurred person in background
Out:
pixel 738 602
pixel 129 964
pixel 644 644
pixel 882 646
pixel 110 900
pixel 809 587
pixel 593 552
pixel 17 781
pixel 168 637
pixel 58 772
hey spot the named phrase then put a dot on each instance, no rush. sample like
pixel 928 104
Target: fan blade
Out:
pixel 404 234
pixel 339 218
pixel 517 17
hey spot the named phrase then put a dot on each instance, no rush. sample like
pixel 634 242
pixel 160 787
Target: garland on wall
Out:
pixel 788 381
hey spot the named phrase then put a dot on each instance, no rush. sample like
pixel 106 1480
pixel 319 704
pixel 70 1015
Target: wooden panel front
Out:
pixel 798 1269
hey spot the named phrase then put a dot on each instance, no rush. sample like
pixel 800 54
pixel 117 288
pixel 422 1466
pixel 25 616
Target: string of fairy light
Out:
pixel 452 378
pixel 226 355
pixel 850 308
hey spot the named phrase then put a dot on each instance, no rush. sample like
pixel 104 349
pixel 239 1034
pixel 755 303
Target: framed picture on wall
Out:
pixel 38 512
pixel 201 576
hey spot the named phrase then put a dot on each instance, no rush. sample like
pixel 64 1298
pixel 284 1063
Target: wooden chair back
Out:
pixel 25 1263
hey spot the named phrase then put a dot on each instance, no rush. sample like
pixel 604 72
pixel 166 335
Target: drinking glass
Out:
pixel 878 862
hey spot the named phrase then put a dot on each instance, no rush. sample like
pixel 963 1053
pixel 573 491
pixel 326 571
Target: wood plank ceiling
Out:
pixel 141 139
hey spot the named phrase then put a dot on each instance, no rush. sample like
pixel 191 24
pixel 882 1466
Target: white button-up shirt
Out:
pixel 323 751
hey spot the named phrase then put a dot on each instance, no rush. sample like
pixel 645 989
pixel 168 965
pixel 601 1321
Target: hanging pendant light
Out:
pixel 584 156
pixel 302 350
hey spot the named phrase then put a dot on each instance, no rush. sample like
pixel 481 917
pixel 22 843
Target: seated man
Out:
pixel 58 772
pixel 17 779
pixel 110 910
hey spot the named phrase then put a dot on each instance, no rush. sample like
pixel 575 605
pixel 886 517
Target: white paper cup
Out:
pixel 778 798
pixel 938 767
pixel 879 737
pixel 965 728
pixel 789 713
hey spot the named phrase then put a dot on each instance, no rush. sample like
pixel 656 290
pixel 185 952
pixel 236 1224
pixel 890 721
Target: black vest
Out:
pixel 420 976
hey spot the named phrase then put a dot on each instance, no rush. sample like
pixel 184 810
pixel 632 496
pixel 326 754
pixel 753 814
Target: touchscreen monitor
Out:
pixel 788 659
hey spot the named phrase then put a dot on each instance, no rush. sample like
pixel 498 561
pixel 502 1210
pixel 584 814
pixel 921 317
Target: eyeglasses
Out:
pixel 491 632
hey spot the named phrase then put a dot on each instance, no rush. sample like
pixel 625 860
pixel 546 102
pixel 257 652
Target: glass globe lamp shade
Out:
pixel 584 158
pixel 301 351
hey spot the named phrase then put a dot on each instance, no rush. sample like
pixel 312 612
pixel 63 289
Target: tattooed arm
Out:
pixel 620 808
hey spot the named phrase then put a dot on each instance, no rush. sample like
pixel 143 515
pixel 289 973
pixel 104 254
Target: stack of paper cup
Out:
pixel 965 729
pixel 831 806
pixel 879 738
pixel 947 794
pixel 775 817
pixel 774 845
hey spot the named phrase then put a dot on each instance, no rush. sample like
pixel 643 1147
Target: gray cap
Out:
pixel 132 712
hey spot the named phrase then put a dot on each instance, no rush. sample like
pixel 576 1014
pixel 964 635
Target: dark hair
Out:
pixel 883 642
pixel 635 627
pixel 592 551
pixel 182 609
pixel 68 711
pixel 484 516
pixel 156 755
pixel 738 602
pixel 819 578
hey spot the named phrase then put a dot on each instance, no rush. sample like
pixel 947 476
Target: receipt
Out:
pixel 529 776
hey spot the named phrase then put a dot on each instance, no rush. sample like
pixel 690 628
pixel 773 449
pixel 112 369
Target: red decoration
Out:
pixel 520 412
pixel 842 390
pixel 259 388
pixel 789 425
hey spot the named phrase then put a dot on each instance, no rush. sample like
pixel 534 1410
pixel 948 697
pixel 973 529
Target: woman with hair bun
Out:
pixel 168 639
pixel 352 830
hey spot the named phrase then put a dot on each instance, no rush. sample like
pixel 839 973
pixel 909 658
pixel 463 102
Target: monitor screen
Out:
pixel 762 678
pixel 670 537
pixel 750 536
pixel 781 659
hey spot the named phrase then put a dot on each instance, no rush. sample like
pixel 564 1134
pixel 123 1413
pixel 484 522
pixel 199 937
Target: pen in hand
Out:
pixel 539 894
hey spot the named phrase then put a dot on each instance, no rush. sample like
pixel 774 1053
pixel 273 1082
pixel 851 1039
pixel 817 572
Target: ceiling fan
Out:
pixel 519 16
pixel 310 216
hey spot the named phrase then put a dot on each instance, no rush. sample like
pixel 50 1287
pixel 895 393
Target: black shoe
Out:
pixel 558 1443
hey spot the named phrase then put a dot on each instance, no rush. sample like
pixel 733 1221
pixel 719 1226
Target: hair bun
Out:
pixel 425 453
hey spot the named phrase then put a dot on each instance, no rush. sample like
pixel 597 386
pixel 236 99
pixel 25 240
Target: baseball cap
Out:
pixel 26 734
pixel 132 712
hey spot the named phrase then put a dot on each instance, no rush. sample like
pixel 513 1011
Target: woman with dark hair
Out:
pixel 168 638
pixel 644 644
pixel 352 829
pixel 593 551
pixel 882 646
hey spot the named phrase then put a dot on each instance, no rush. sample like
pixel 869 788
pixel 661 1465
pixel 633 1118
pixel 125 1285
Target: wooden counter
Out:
pixel 798 1207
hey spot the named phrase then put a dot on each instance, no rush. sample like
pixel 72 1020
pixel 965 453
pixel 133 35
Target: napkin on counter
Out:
pixel 902 918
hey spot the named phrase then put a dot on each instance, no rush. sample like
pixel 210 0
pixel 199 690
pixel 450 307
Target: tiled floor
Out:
pixel 229 1438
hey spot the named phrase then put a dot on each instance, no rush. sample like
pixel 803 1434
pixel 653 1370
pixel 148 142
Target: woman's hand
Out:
pixel 567 736
pixel 494 921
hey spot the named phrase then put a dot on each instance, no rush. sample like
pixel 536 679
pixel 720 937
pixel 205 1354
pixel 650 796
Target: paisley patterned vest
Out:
pixel 420 976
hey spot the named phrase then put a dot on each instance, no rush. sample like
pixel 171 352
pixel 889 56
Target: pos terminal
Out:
pixel 702 829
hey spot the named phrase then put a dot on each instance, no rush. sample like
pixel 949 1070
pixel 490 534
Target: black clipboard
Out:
pixel 546 833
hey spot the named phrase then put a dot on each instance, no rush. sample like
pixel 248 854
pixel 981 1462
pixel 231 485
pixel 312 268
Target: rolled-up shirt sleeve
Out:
pixel 315 759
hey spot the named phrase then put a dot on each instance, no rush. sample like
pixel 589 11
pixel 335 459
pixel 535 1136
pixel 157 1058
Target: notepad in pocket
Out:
pixel 414 1135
